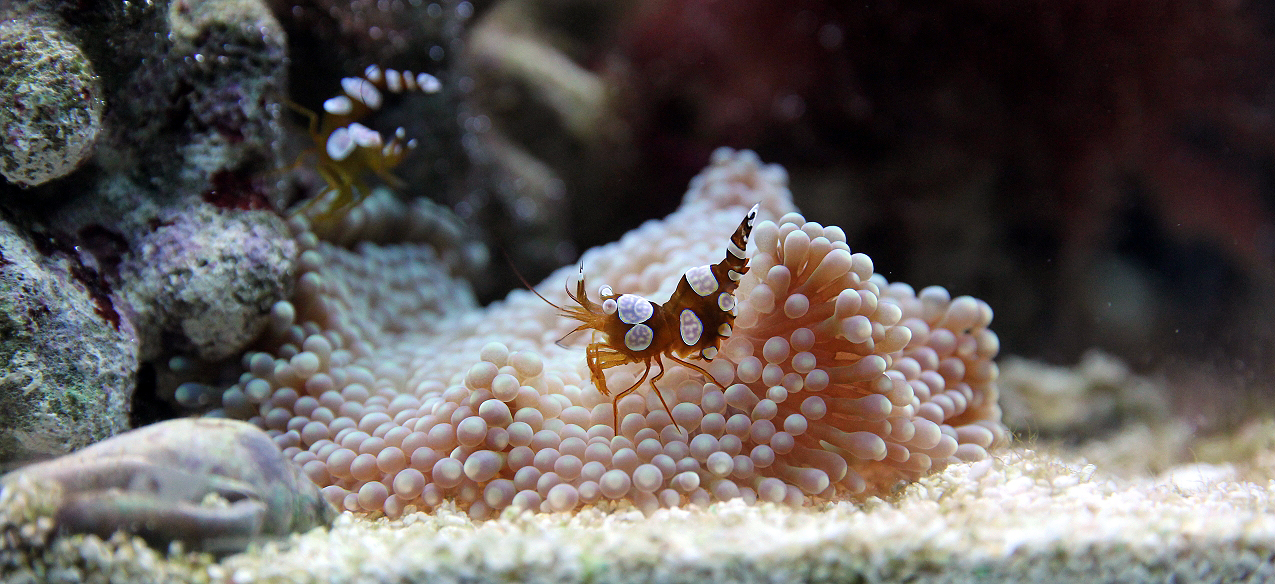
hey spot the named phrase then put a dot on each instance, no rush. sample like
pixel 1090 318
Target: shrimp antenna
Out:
pixel 528 286
pixel 525 284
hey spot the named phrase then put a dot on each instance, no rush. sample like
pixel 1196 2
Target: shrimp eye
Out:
pixel 605 291
pixel 609 305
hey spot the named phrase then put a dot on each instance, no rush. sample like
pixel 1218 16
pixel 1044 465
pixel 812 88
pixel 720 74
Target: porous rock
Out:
pixel 52 104
pixel 67 358
pixel 175 221
pixel 202 282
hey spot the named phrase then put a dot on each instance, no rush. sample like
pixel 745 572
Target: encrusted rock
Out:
pixel 52 104
pixel 172 237
pixel 203 281
pixel 67 358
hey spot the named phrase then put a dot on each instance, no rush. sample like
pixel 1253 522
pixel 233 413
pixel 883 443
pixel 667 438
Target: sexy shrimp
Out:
pixel 690 325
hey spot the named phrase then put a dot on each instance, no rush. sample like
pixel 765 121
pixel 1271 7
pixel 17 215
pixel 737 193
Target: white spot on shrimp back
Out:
pixel 340 144
pixel 362 90
pixel 725 301
pixel 364 136
pixel 701 280
pixel 709 353
pixel 639 337
pixel 690 326
pixel 393 81
pixel 634 309
pixel 428 83
pixel 338 106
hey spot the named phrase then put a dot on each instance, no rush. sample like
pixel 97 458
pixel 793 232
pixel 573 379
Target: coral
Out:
pixel 204 102
pixel 52 104
pixel 835 383
pixel 215 484
pixel 535 48
pixel 67 358
pixel 861 372
pixel 383 218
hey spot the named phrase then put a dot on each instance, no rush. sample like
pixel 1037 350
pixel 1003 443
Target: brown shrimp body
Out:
pixel 691 324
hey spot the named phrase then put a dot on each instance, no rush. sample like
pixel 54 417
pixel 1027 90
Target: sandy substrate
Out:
pixel 1022 516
